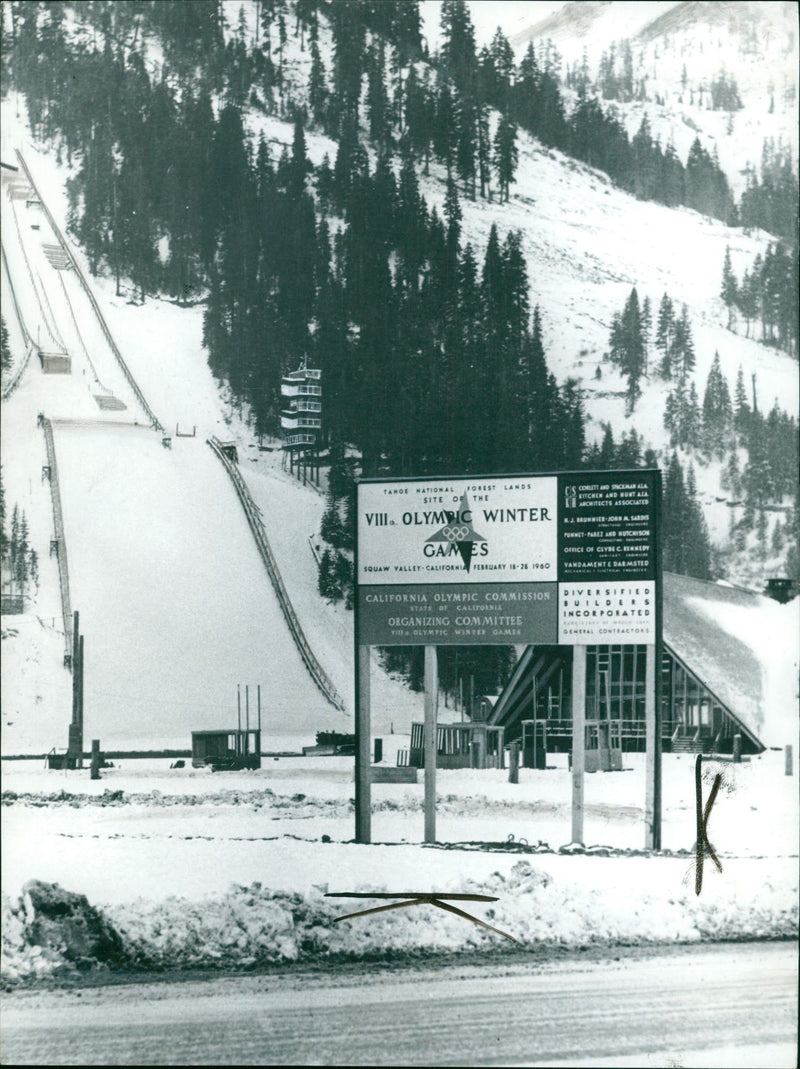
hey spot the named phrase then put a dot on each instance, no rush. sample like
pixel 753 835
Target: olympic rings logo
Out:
pixel 455 534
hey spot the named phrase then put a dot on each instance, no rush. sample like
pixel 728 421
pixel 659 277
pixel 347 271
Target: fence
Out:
pixel 13 382
pixel 96 308
pixel 48 324
pixel 257 527
pixel 61 545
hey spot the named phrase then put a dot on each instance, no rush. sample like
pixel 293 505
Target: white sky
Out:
pixel 510 15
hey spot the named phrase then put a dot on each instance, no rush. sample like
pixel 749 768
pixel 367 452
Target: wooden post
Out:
pixel 431 689
pixel 578 739
pixel 737 748
pixel 788 758
pixel 238 719
pixel 78 670
pixel 75 654
pixel 652 798
pixel 363 727
pixel 513 762
pixel 246 719
pixel 94 770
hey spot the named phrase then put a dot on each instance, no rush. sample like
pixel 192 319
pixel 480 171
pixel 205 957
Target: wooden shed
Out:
pixel 227 749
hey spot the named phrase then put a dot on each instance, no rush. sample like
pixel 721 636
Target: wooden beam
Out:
pixel 363 739
pixel 578 739
pixel 652 804
pixel 431 688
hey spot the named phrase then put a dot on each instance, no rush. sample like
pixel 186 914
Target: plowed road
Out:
pixel 713 1005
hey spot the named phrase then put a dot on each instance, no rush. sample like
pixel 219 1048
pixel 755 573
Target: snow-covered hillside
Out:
pixel 677 51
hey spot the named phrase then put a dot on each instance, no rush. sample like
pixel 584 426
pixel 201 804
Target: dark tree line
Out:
pixel 767 294
pixel 686 545
pixel 20 562
pixel 770 201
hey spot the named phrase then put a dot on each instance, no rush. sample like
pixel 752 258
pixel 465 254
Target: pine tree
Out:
pixel 778 539
pixel 686 545
pixel 730 477
pixel 343 577
pixel 632 359
pixel 741 415
pixel 749 297
pixel 730 289
pixel 378 106
pixel 331 527
pixel 300 165
pixel 665 331
pixel 674 518
pixel 327 583
pixel 506 155
pixel 647 331
pixel 318 88
pixel 457 54
pixel 420 117
pixel 692 427
pixel 717 411
pixel 757 475
pixel 681 355
pixel 761 534
pixel 607 457
pixel 698 545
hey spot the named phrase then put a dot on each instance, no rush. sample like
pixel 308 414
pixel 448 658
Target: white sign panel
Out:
pixel 490 530
pixel 604 613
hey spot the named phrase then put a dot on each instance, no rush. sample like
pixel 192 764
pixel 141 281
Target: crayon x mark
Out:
pixel 703 845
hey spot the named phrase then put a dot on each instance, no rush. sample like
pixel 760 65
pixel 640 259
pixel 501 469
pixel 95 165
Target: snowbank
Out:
pixel 256 925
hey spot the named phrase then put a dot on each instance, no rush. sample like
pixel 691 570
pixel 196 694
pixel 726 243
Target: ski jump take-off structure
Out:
pixel 93 412
pixel 572 559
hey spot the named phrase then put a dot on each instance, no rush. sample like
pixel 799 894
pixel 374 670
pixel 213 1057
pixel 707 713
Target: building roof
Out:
pixel 741 645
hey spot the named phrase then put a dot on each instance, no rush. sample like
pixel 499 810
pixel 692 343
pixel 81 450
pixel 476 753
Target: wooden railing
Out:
pixel 13 382
pixel 49 325
pixel 61 545
pixel 257 527
pixel 95 306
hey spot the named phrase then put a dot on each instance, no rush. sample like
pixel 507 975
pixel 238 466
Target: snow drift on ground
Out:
pixel 198 868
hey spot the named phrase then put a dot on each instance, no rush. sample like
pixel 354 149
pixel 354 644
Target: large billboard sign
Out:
pixel 545 559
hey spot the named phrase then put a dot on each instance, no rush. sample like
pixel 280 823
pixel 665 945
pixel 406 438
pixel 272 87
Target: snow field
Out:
pixel 198 868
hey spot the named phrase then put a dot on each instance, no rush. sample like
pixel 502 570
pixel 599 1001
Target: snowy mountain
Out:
pixel 676 52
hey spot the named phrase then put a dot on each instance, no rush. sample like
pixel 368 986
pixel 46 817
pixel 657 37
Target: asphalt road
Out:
pixel 722 1005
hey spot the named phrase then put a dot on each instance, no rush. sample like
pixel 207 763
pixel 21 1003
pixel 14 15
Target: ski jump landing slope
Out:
pixel 176 606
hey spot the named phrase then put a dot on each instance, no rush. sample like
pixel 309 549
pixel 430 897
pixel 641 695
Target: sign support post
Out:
pixel 653 708
pixel 578 739
pixel 652 813
pixel 431 694
pixel 363 733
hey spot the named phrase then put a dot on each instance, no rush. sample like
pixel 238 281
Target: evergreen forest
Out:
pixel 344 265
